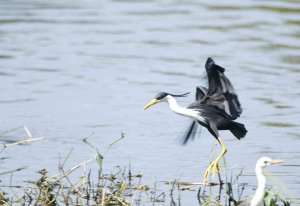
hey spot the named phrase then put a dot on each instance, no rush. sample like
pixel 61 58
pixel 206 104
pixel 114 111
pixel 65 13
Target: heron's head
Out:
pixel 265 161
pixel 163 97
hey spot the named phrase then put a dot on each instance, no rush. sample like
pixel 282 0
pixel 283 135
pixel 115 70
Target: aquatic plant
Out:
pixel 121 187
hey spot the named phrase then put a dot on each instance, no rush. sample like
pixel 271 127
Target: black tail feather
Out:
pixel 238 130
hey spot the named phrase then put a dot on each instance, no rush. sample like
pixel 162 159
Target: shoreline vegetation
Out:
pixel 121 187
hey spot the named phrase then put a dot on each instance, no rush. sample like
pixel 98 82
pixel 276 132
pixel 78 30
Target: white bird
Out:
pixel 261 180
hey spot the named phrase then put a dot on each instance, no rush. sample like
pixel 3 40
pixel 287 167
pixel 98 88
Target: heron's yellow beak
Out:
pixel 152 102
pixel 276 161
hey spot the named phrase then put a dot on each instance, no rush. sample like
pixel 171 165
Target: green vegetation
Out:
pixel 120 187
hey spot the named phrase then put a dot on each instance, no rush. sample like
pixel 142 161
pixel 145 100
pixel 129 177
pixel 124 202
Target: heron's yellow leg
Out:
pixel 214 166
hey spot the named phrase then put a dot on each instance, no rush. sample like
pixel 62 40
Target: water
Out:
pixel 71 69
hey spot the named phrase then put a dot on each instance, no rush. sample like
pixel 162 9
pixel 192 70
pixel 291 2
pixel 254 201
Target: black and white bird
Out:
pixel 258 197
pixel 215 108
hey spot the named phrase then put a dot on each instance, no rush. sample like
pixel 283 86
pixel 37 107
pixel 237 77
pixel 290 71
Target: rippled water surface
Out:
pixel 69 69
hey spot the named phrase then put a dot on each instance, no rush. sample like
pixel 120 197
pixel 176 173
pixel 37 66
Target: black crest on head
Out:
pixel 162 95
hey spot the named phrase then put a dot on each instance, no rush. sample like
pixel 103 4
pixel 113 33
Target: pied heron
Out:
pixel 215 108
pixel 261 180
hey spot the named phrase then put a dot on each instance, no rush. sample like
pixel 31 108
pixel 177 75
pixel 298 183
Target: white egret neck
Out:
pixel 260 191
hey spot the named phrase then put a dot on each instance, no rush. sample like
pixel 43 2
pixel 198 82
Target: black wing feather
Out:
pixel 200 92
pixel 220 90
pixel 219 99
pixel 190 133
pixel 210 108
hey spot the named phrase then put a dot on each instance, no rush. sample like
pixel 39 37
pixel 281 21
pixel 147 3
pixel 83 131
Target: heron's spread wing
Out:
pixel 220 92
pixel 190 133
pixel 219 99
pixel 200 92
pixel 209 109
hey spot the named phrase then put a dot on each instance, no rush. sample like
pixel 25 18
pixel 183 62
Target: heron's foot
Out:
pixel 214 168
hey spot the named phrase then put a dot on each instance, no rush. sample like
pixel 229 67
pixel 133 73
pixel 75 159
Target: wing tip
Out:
pixel 209 63
pixel 190 134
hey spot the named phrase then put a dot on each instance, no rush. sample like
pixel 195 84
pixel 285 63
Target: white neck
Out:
pixel 183 110
pixel 260 191
pixel 174 106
